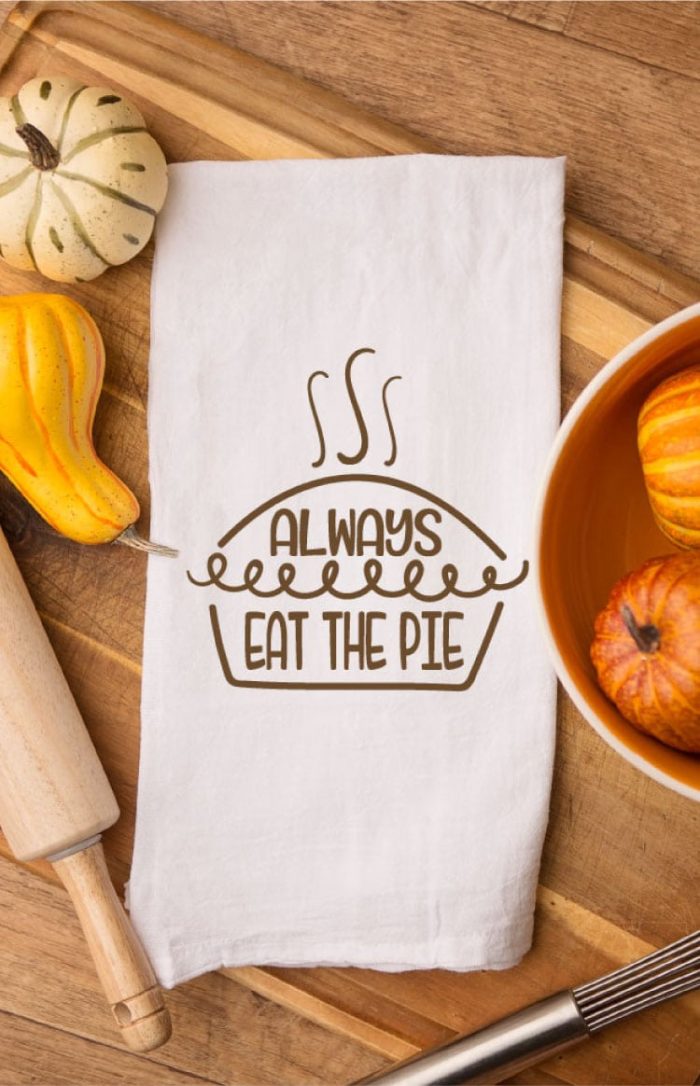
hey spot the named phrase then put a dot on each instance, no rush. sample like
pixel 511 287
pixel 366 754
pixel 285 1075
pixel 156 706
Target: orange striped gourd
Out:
pixel 52 364
pixel 668 435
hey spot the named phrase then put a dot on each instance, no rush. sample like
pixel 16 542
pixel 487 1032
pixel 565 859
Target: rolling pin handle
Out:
pixel 122 966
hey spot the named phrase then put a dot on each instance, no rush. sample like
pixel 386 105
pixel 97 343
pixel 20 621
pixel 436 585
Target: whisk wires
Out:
pixel 659 976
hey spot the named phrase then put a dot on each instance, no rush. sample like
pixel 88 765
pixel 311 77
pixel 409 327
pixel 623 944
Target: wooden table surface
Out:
pixel 614 86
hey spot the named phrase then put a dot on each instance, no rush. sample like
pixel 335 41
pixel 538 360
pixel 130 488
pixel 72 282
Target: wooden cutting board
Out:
pixel 620 871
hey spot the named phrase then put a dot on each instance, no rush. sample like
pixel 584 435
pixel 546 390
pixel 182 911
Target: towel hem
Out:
pixel 468 956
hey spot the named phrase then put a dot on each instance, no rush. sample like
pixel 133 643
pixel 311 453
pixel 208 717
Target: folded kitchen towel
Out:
pixel 348 718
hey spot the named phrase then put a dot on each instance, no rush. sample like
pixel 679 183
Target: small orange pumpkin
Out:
pixel 646 649
pixel 668 436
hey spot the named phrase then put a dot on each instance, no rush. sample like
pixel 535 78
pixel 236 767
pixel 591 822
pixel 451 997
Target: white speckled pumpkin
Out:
pixel 81 180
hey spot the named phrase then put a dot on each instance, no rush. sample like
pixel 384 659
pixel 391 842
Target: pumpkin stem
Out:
pixel 131 538
pixel 41 151
pixel 646 638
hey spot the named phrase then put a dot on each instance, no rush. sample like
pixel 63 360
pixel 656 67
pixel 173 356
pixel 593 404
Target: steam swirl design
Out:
pixel 363 449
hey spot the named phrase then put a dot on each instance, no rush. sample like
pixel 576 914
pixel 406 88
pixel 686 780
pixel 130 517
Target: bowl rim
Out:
pixel 576 411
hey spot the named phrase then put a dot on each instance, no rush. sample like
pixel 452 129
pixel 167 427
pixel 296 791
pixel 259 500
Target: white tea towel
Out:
pixel 348 718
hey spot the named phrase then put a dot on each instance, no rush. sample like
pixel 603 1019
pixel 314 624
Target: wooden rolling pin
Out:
pixel 55 800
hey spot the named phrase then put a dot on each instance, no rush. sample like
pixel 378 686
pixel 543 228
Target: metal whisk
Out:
pixel 663 975
pixel 555 1023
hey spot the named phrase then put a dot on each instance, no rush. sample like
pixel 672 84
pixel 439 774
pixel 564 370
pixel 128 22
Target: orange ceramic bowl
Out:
pixel 594 524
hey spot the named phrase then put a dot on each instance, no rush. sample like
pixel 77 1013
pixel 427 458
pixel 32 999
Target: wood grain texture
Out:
pixel 548 14
pixel 54 791
pixel 659 35
pixel 223 1033
pixel 479 79
pixel 632 30
pixel 43 1055
pixel 125 972
pixel 620 870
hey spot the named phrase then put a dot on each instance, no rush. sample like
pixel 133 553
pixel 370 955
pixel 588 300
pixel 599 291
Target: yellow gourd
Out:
pixel 51 369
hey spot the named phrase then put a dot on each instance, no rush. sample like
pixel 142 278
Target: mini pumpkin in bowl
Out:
pixel 668 436
pixel 595 524
pixel 646 649
pixel 81 180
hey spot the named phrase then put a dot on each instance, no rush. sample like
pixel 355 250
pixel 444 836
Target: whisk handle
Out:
pixel 497 1051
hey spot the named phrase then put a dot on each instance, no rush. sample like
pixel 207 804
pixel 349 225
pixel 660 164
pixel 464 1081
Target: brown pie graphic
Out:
pixel 355 581
pixel 352 582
